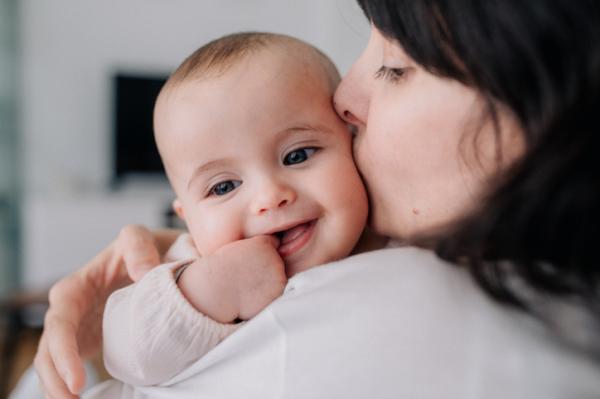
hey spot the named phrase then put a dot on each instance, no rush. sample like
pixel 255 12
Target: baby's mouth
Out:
pixel 289 235
pixel 293 239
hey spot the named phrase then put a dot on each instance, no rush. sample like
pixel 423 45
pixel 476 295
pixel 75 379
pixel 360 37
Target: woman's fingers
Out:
pixel 61 329
pixel 138 246
pixel 53 385
pixel 72 327
pixel 64 352
pixel 58 362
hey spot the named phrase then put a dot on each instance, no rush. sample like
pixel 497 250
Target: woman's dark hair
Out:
pixel 541 58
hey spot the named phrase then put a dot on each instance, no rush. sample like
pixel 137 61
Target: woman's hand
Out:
pixel 73 323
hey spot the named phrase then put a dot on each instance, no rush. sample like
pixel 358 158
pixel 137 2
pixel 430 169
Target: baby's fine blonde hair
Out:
pixel 216 57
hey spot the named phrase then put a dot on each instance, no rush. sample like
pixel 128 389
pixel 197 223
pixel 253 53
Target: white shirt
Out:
pixel 394 323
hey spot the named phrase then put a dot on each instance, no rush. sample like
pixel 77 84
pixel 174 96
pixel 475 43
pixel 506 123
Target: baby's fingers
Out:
pixel 269 239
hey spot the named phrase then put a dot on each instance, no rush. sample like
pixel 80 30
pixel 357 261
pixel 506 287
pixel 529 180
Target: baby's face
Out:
pixel 259 151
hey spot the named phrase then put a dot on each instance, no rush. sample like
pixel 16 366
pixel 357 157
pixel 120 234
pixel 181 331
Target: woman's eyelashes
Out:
pixel 224 187
pixel 392 75
pixel 298 156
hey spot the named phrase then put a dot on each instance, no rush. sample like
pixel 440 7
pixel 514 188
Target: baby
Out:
pixel 265 181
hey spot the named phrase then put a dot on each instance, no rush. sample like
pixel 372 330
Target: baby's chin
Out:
pixel 291 270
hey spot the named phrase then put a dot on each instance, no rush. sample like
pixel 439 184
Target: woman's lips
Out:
pixel 294 239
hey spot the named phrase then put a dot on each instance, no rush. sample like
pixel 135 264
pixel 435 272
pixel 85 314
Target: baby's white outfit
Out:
pixel 150 331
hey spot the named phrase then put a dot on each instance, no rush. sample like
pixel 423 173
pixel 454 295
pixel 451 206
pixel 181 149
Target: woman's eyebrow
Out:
pixel 205 167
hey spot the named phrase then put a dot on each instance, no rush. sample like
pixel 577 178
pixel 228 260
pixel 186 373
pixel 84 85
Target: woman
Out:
pixel 476 137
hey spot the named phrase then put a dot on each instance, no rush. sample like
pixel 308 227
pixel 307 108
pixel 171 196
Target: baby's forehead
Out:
pixel 287 53
pixel 296 62
pixel 266 74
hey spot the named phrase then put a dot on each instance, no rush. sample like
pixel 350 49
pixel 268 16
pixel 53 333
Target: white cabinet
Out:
pixel 62 234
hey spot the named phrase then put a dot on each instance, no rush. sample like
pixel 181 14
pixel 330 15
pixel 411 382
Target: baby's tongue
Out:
pixel 293 233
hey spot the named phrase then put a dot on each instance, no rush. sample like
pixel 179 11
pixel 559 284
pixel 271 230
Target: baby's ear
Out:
pixel 178 209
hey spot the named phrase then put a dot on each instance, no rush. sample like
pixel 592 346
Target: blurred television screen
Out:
pixel 135 153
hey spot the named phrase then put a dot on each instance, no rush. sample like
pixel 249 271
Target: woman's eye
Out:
pixel 224 187
pixel 392 75
pixel 298 156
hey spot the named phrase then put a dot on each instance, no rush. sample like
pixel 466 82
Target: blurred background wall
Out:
pixel 58 60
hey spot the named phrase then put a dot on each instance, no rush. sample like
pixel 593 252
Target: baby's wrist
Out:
pixel 180 271
pixel 207 291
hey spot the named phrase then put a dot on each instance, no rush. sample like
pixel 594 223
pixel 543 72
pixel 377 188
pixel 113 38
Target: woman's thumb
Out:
pixel 138 249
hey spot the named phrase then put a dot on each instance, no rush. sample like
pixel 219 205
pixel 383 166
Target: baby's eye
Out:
pixel 224 187
pixel 298 156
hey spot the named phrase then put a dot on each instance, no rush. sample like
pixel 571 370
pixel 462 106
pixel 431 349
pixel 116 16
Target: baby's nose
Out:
pixel 271 196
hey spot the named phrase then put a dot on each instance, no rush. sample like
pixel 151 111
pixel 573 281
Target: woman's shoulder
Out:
pixel 399 283
pixel 394 265
pixel 425 318
pixel 397 322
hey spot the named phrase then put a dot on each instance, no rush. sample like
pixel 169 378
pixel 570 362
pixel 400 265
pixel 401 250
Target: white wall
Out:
pixel 62 234
pixel 70 49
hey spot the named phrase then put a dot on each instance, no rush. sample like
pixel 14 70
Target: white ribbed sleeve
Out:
pixel 151 333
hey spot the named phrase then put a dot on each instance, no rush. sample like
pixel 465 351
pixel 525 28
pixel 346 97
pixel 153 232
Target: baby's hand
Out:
pixel 237 281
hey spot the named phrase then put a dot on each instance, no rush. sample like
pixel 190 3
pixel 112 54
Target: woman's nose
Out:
pixel 351 99
pixel 271 196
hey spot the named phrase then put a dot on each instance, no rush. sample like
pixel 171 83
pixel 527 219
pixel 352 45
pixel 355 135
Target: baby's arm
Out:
pixel 151 332
pixel 154 329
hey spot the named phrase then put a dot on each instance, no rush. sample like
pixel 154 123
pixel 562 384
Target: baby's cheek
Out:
pixel 347 204
pixel 212 233
pixel 350 188
pixel 353 201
